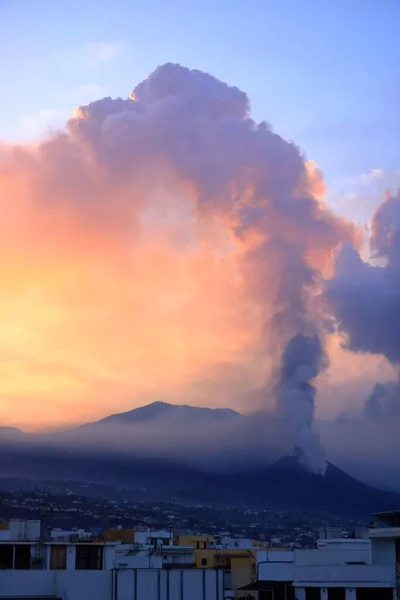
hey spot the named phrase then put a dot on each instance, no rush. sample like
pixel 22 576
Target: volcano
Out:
pixel 290 484
pixel 286 484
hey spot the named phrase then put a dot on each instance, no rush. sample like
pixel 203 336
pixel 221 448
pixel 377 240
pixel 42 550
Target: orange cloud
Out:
pixel 95 321
pixel 161 247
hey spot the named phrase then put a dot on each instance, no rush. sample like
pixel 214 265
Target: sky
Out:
pixel 322 74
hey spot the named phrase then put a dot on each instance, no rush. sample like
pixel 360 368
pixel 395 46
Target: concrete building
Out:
pixel 34 566
pixel 126 584
pixel 242 543
pixel 355 568
pixel 198 542
pixel 24 547
pixel 153 538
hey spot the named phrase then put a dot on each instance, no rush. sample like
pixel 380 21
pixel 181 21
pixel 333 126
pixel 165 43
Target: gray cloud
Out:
pixel 364 298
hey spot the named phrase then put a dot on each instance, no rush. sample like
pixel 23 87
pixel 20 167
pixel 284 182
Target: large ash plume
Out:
pixel 189 237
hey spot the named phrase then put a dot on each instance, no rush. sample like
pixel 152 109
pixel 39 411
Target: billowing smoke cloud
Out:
pixel 303 359
pixel 383 401
pixel 159 239
pixel 366 298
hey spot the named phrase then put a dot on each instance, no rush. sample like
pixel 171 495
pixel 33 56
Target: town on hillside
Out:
pixel 145 563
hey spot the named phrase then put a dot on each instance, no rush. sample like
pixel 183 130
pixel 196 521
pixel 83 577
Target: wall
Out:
pixel 146 584
pixel 344 544
pixel 141 537
pixel 332 556
pixel 275 566
pixel 275 555
pixel 71 555
pixel 82 585
pixel 109 557
pixel 339 575
pixel 32 583
pixel 276 571
pixel 142 560
pixel 241 576
pixel 383 552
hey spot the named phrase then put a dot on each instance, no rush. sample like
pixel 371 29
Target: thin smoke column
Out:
pixel 303 359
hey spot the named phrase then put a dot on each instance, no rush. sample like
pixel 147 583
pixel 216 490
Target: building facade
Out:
pixel 365 566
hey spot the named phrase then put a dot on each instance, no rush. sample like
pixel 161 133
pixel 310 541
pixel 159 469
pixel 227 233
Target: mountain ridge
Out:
pixel 284 483
pixel 159 409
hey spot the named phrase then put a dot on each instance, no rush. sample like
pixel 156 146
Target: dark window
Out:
pixel 204 562
pixel 289 593
pixel 336 593
pixel 267 595
pixel 6 557
pixel 283 591
pixel 374 594
pixel 22 557
pixel 313 593
pixel 89 558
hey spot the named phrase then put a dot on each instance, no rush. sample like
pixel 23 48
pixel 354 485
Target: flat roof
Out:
pixel 390 517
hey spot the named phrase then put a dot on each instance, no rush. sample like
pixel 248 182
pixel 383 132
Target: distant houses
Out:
pixel 145 564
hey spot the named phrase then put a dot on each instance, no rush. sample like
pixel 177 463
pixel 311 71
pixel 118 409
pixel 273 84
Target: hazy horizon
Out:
pixel 214 224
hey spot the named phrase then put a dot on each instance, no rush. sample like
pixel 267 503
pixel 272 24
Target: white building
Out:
pixel 70 534
pixel 154 538
pixel 237 543
pixel 356 568
pixel 151 568
pixel 23 547
pixel 126 584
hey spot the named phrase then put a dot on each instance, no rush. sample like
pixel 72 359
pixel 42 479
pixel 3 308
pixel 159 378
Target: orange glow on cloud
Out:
pixel 94 322
pixel 127 271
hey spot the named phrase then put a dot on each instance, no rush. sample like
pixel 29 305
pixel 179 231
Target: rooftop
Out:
pixel 390 518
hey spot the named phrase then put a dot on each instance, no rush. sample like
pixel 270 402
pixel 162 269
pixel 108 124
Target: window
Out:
pixel 89 558
pixel 22 557
pixel 313 593
pixel 336 593
pixel 266 595
pixel 6 556
pixel 204 562
pixel 374 594
pixel 289 591
pixel 58 557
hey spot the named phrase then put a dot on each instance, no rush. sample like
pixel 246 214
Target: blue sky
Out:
pixel 324 74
